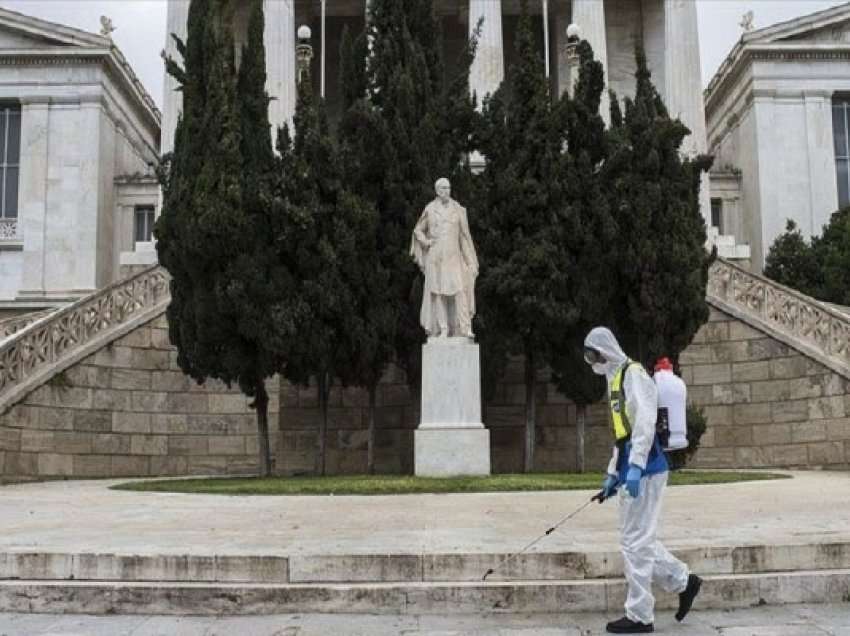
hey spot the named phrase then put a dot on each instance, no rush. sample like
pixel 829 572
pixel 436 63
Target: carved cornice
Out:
pixel 743 55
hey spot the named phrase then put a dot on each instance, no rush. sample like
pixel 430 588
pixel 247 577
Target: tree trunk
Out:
pixel 530 412
pixel 370 444
pixel 581 420
pixel 261 404
pixel 324 390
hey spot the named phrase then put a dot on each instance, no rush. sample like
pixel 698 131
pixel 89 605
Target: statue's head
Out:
pixel 444 189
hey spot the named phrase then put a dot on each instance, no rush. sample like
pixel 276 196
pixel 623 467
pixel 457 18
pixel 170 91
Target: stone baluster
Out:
pixel 589 15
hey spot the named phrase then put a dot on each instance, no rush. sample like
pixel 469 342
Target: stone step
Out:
pixel 384 568
pixel 602 595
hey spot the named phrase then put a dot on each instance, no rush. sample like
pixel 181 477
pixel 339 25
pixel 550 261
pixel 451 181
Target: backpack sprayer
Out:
pixel 600 497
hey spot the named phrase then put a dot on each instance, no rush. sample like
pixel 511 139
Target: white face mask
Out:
pixel 598 368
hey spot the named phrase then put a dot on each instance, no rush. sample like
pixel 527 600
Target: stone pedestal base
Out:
pixel 450 452
pixel 451 439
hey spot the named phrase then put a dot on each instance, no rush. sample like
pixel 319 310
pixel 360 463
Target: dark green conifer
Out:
pixel 662 269
pixel 213 234
pixel 587 234
pixel 792 261
pixel 516 224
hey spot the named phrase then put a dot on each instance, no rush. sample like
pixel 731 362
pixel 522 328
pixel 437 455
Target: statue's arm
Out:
pixel 420 232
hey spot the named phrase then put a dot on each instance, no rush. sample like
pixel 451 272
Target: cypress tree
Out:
pixel 405 123
pixel 213 233
pixel 521 284
pixel 586 232
pixel 331 246
pixel 663 265
pixel 417 120
pixel 374 334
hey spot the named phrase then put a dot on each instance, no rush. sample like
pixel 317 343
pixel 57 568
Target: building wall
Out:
pixel 782 143
pixel 78 131
pixel 128 411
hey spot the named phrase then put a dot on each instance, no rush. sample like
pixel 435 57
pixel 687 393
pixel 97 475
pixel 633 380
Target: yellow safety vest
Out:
pixel 617 401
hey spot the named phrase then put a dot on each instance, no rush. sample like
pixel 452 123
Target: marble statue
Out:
pixel 442 247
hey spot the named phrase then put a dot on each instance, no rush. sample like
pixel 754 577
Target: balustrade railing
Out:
pixel 36 348
pixel 11 326
pixel 814 327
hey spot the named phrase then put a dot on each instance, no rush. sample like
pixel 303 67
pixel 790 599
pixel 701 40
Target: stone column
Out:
pixel 589 15
pixel 172 103
pixel 683 81
pixel 488 68
pixel 562 21
pixel 32 208
pixel 280 61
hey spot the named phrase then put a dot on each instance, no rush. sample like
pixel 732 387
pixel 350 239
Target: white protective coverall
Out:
pixel 646 560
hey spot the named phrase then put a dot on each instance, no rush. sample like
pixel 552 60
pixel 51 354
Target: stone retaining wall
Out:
pixel 129 411
pixel 767 405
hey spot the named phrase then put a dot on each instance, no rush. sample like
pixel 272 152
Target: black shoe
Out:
pixel 628 626
pixel 686 598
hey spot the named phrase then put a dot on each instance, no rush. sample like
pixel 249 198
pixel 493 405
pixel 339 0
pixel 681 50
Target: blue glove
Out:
pixel 609 486
pixel 633 480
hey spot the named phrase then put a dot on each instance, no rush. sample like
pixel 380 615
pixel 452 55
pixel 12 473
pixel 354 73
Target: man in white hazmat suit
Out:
pixel 640 467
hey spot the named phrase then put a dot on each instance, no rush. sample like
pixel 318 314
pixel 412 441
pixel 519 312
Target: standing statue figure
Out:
pixel 442 247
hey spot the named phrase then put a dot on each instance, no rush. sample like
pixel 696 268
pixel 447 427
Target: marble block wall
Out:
pixel 767 405
pixel 128 411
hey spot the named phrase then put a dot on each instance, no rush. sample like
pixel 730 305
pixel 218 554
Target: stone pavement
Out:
pixel 792 620
pixel 85 516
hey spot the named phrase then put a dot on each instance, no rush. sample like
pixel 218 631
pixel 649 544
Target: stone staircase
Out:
pixel 37 347
pixel 735 577
pixel 817 330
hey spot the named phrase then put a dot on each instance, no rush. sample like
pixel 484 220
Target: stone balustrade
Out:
pixel 809 326
pixel 42 349
pixel 11 326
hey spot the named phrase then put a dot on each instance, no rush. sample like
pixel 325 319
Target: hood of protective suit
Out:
pixel 601 339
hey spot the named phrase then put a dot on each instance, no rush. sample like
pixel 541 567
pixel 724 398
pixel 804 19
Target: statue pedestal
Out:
pixel 451 439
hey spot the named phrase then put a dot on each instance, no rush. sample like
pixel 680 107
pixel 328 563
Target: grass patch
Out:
pixel 406 485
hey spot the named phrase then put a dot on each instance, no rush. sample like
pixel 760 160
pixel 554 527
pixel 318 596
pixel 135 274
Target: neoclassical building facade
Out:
pixel 667 29
pixel 778 112
pixel 79 140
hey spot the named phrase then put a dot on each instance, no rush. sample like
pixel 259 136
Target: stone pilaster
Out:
pixel 488 68
pixel 683 81
pixel 178 17
pixel 32 208
pixel 589 15
pixel 280 61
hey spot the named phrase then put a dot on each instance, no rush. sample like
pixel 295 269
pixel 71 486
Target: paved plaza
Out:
pixel 797 620
pixel 87 517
